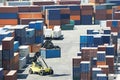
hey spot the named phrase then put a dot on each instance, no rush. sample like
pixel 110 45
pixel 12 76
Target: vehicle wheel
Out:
pixel 41 73
pixel 51 72
pixel 30 71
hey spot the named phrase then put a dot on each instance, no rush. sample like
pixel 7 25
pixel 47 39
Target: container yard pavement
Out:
pixel 62 66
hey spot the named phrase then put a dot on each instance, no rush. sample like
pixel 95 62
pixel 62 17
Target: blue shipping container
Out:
pixel 74 7
pixel 77 22
pixel 115 23
pixel 32 24
pixel 106 39
pixel 95 72
pixel 110 50
pixel 84 67
pixel 97 41
pixel 90 39
pixel 30 32
pixel 101 56
pixel 76 72
pixel 86 19
pixel 1 74
pixel 8 15
pixel 39 25
pixel 102 77
pixel 107 31
pixel 39 39
pixel 65 16
pixel 89 31
pixel 16 45
pixel 7 54
pixel 19 3
pixel 83 39
pixel 50 53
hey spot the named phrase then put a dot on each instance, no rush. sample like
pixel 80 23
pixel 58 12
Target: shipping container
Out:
pixel 85 66
pixel 76 61
pixel 16 45
pixel 102 77
pixel 24 50
pixel 22 62
pixel 96 71
pixel 11 75
pixel 50 53
pixel 1 73
pixel 101 56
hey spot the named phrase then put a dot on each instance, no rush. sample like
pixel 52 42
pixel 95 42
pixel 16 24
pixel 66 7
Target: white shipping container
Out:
pixel 22 62
pixel 24 50
pixel 48 33
pixel 103 23
pixel 110 76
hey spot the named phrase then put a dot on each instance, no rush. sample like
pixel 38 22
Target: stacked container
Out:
pixel 40 3
pixel 66 2
pixel 88 53
pixel 7 53
pixel 103 12
pixel 52 17
pixel 86 41
pixel 101 60
pixel 75 13
pixel 20 34
pixel 76 67
pixel 97 1
pixel 0 55
pixel 16 61
pixel 38 27
pixel 30 36
pixel 1 73
pixel 16 46
pixel 8 15
pixel 110 50
pixel 96 71
pixel 102 77
pixel 11 75
pixel 65 16
pixel 85 70
pixel 110 63
pixel 114 25
pixel 86 14
pixel 24 55
pixel 105 68
pixel 18 3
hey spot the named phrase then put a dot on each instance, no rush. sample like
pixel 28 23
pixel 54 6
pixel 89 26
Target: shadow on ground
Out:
pixel 59 75
pixel 22 76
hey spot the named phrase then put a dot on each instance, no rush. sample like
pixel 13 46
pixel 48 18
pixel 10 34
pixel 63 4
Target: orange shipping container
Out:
pixel 109 11
pixel 101 63
pixel 50 27
pixel 75 17
pixel 35 47
pixel 30 15
pixel 8 21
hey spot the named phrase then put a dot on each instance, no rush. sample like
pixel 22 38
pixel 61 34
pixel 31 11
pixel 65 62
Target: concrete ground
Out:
pixel 62 66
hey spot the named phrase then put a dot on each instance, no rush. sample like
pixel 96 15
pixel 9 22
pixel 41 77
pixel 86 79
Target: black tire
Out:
pixel 30 71
pixel 51 72
pixel 41 73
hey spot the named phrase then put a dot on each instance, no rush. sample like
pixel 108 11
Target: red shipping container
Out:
pixel 110 60
pixel 101 48
pixel 76 61
pixel 7 43
pixel 9 9
pixel 11 75
pixel 105 68
pixel 85 76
